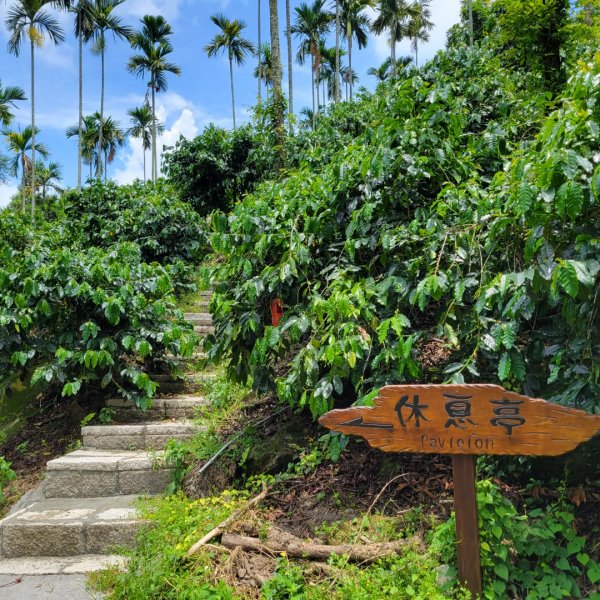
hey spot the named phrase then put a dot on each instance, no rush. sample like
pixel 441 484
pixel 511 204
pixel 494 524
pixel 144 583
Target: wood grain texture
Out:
pixel 468 558
pixel 464 419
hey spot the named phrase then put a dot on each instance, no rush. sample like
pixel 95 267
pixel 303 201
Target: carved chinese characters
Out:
pixel 464 419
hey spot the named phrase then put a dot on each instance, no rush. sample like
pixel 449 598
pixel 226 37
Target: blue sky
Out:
pixel 196 98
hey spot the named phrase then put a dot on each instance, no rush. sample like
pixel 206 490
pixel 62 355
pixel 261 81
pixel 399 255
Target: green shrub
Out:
pixel 415 231
pixel 150 215
pixel 535 556
pixel 89 317
pixel 215 169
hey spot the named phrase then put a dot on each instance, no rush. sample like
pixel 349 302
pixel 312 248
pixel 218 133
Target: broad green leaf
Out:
pixel 504 366
pixel 567 278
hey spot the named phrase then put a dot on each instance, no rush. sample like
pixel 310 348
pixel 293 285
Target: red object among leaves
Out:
pixel 276 311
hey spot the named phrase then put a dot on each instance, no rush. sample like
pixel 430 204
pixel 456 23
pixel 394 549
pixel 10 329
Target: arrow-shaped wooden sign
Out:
pixel 464 419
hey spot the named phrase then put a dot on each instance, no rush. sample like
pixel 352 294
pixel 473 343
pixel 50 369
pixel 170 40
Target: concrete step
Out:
pixel 178 407
pixel 141 436
pixel 70 527
pixel 204 329
pixel 198 318
pixel 97 473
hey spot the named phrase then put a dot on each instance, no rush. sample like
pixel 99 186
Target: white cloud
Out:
pixel 189 120
pixel 6 194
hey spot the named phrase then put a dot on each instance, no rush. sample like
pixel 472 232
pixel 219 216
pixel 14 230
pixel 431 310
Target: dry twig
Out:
pixel 220 528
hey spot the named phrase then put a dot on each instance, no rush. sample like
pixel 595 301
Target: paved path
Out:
pixel 42 587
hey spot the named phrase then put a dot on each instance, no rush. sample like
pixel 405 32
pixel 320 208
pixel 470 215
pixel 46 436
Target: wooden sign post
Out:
pixel 464 421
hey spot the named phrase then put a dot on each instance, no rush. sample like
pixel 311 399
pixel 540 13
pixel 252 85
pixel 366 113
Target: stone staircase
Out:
pixel 84 510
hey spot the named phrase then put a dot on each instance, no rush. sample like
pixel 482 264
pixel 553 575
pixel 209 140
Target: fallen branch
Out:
pixel 220 528
pixel 297 548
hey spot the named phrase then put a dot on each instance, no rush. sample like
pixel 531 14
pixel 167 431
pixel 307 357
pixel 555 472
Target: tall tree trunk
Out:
pixel 312 75
pixel 105 165
pixel 100 135
pixel 470 22
pixel 23 186
pixel 336 87
pixel 416 51
pixel 278 121
pixel 231 82
pixel 32 129
pixel 80 141
pixel 393 56
pixel 288 22
pixel 144 150
pixel 154 156
pixel 259 58
pixel 349 37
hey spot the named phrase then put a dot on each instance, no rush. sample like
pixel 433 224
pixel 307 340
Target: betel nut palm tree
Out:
pixel 311 23
pixel 111 136
pixel 84 30
pixel 154 45
pixel 20 143
pixel 89 138
pixel 264 70
pixel 392 19
pixel 48 177
pixel 230 40
pixel 356 26
pixel 9 95
pixel 288 36
pixel 30 21
pixel 419 25
pixel 142 122
pixel 105 21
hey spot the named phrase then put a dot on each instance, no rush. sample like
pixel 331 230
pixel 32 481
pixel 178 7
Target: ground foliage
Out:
pixel 87 298
pixel 465 215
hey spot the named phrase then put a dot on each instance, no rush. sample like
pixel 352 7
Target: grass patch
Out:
pixel 157 568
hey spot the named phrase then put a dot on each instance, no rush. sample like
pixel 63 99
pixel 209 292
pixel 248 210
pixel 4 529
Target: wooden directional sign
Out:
pixel 464 420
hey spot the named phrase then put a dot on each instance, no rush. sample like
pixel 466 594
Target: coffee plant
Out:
pixel 453 239
pixel 87 300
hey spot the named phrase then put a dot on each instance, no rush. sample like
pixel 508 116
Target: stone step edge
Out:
pixel 70 526
pixel 61 565
pixel 161 428
pixel 107 461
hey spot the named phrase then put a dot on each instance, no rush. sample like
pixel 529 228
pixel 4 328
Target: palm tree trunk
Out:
pixel 393 57
pixel 350 82
pixel 100 140
pixel 416 51
pixel 312 74
pixel 32 129
pixel 471 22
pixel 144 151
pixel 24 187
pixel 336 88
pixel 154 150
pixel 288 22
pixel 259 58
pixel 105 165
pixel 232 93
pixel 278 119
pixel 79 141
